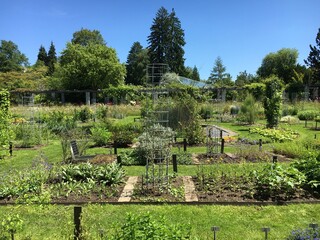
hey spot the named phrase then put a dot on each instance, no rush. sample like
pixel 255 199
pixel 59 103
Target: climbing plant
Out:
pixel 6 133
pixel 272 101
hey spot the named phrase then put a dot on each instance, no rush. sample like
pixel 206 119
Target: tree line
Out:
pixel 87 62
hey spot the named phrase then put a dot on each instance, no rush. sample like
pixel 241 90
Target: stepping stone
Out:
pixel 190 195
pixel 128 189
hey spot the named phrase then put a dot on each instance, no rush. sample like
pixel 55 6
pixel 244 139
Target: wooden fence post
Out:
pixel 77 222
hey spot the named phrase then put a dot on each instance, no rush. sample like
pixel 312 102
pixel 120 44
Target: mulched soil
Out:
pixel 159 192
pixel 240 189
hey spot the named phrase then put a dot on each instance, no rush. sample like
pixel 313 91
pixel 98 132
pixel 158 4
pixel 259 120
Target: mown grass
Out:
pixel 235 222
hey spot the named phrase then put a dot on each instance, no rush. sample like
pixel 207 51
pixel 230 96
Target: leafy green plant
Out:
pixel 275 182
pixel 276 135
pixel 308 115
pixel 249 110
pixel 155 143
pixel 6 134
pixel 84 114
pixel 310 166
pixel 12 223
pixel 100 135
pixel 58 122
pixel 124 134
pixel 145 226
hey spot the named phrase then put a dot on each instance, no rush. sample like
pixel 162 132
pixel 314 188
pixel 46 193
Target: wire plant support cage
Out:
pixel 158 136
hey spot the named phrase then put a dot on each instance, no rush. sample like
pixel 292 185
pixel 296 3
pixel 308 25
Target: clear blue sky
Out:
pixel 241 32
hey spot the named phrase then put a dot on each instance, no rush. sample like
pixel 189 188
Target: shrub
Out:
pixel 206 112
pixel 307 115
pixel 124 134
pixel 100 135
pixel 249 110
pixel 84 114
pixel 155 143
pixel 290 111
pixel 58 122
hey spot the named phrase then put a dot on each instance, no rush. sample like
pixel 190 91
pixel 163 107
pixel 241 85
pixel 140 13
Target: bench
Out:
pixel 75 153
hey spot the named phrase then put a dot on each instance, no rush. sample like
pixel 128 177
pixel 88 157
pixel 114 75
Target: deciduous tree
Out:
pixel 281 64
pixel 11 59
pixel 85 36
pixel 93 66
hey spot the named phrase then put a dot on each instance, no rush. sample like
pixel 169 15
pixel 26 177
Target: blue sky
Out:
pixel 241 32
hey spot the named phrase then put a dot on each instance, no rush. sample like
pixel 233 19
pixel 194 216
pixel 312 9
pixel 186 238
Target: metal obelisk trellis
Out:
pixel 156 123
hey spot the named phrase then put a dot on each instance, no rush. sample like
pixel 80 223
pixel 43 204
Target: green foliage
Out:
pixel 281 64
pixel 290 110
pixel 272 101
pixel 122 92
pixel 155 143
pixel 6 134
pixel 11 59
pixel 308 115
pixel 136 65
pixel 276 182
pixel 218 76
pixel 276 135
pixel 33 78
pixel 12 223
pixel 107 174
pixel 310 166
pixel 184 158
pixel 124 134
pixel 84 114
pixel 100 135
pixel 90 67
pixel 58 122
pixel 145 226
pixel 19 183
pixel 256 89
pixel 249 110
pixel 30 134
pixel 166 41
pixel 84 37
pixel 184 118
pixel 313 60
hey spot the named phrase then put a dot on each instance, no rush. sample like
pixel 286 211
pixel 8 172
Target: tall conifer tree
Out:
pixel 166 41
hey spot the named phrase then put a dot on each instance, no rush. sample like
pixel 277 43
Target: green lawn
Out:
pixel 235 222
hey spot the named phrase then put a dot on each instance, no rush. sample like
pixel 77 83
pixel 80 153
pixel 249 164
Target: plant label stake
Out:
pixel 313 226
pixel 215 229
pixel 265 230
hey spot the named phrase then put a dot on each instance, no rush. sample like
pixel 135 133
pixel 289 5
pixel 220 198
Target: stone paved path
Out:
pixel 128 189
pixel 190 195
